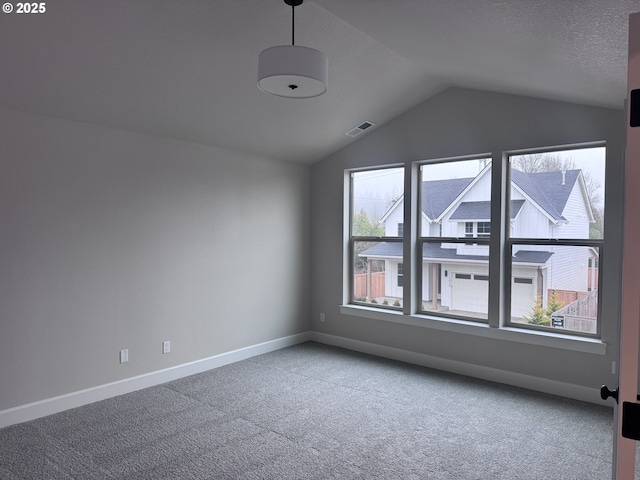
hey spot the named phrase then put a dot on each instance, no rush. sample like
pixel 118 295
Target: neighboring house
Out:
pixel 543 205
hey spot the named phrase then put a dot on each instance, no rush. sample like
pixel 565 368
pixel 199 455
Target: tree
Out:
pixel 542 316
pixel 362 226
pixel 542 162
pixel 553 162
pixel 538 314
pixel 554 303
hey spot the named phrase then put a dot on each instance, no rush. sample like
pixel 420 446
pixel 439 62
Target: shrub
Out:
pixel 554 303
pixel 538 314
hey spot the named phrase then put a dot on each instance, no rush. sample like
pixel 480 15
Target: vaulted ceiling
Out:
pixel 186 69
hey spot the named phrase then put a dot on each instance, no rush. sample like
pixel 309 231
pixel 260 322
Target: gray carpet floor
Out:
pixel 317 412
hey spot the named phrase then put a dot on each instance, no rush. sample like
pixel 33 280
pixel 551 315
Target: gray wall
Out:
pixel 461 122
pixel 112 240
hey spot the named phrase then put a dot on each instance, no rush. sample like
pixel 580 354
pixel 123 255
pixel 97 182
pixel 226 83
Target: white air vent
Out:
pixel 354 132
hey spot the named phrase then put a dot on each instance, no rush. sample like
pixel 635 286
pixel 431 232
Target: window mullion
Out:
pixel 497 242
pixel 409 240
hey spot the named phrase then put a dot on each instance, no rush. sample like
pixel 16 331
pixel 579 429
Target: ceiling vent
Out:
pixel 354 132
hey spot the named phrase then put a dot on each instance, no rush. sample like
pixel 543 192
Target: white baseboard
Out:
pixel 53 405
pixel 553 387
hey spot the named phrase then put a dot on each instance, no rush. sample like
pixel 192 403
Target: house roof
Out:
pixel 436 252
pixel 531 256
pixel 482 210
pixel 437 195
pixel 547 189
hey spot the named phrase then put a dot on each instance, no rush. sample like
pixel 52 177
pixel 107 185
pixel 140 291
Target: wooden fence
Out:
pixel 567 296
pixel 580 315
pixel 585 305
pixel 360 285
pixel 592 278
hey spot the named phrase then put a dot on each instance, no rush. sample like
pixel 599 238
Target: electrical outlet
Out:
pixel 124 355
pixel 322 317
pixel 166 346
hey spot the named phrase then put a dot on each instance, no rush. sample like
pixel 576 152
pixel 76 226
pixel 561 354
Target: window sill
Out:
pixel 531 337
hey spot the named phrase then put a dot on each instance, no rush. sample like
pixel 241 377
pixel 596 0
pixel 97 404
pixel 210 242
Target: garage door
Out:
pixel 470 292
pixel 522 296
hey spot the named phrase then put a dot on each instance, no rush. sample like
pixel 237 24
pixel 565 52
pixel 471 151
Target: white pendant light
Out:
pixel 291 70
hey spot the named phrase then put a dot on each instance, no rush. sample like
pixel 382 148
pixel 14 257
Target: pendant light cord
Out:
pixel 293 24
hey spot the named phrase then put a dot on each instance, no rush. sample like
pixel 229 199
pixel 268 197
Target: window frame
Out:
pixel 500 275
pixel 352 239
pixel 511 242
pixel 484 233
pixel 468 230
pixel 472 229
pixel 462 240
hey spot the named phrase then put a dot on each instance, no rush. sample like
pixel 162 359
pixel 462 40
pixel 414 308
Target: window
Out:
pixel 477 229
pixel 556 238
pixel 375 240
pixel 468 229
pixel 542 274
pixel 484 229
pixel 455 205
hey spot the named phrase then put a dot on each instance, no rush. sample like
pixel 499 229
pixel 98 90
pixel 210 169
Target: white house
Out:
pixel 544 205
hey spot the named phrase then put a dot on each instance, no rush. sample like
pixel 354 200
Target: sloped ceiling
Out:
pixel 187 69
